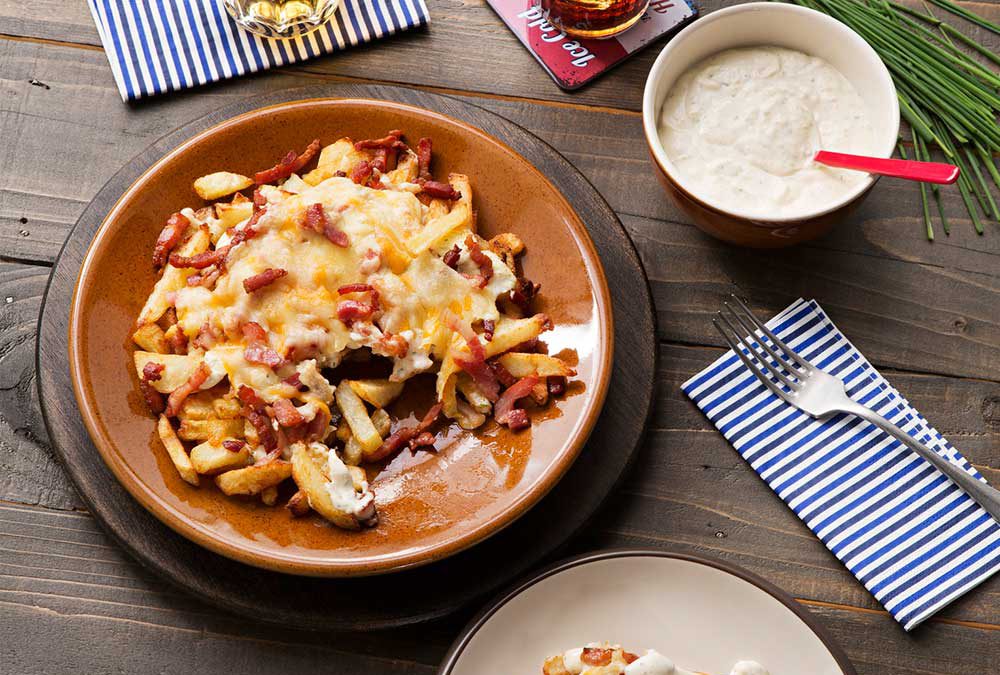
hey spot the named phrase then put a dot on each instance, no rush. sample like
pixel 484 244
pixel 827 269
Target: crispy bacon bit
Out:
pixel 317 427
pixel 357 288
pixel 362 172
pixel 176 398
pixel 451 257
pixel 393 345
pixel 524 292
pixel 403 436
pixel 510 397
pixel 152 371
pixel 340 174
pixel 489 326
pixel 170 236
pixel 288 165
pixel 233 445
pixel 259 201
pixel 424 159
pixel 475 365
pixel 294 380
pixel 381 159
pixel 440 190
pixel 265 278
pixel 424 439
pixel 258 350
pixel 206 337
pixel 391 140
pixel 557 385
pixel 595 656
pixel 481 259
pixel 253 410
pixel 201 260
pixel 501 373
pixel 630 657
pixel 517 419
pixel 178 341
pixel 298 504
pixel 315 219
pixel 350 311
pixel 287 414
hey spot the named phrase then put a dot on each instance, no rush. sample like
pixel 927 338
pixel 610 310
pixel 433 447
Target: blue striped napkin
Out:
pixel 910 535
pixel 167 45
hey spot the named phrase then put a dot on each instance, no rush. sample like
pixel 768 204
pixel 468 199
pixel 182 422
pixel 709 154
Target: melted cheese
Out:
pixel 299 311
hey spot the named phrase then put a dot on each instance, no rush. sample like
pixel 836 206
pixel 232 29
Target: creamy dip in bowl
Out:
pixel 742 127
pixel 736 105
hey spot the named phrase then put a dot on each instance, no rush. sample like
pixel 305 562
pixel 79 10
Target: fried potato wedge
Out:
pixel 307 470
pixel 177 368
pixel 198 406
pixel 542 365
pixel 219 184
pixel 212 430
pixel 173 279
pixel 151 338
pixel 441 226
pixel 212 458
pixel 232 214
pixel 174 448
pixel 253 480
pixel 382 422
pixel 378 393
pixel 356 416
pixel 472 394
pixel 509 333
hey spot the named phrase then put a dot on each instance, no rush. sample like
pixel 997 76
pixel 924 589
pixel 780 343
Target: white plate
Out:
pixel 704 615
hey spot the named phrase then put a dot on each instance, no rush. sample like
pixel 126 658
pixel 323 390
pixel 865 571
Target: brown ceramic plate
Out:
pixel 430 506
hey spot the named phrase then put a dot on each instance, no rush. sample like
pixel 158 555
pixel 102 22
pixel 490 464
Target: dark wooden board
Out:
pixel 411 596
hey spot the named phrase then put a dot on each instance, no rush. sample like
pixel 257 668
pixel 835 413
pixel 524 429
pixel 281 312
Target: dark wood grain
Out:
pixel 405 597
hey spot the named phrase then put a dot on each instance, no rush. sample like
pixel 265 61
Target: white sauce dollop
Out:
pixel 742 127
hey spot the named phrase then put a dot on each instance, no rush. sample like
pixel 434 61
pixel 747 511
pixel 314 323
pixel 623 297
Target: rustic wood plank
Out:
pixel 464 40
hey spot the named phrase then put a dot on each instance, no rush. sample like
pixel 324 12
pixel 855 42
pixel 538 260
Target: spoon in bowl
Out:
pixel 926 172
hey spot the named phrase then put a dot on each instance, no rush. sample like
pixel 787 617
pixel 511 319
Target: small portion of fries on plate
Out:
pixel 364 257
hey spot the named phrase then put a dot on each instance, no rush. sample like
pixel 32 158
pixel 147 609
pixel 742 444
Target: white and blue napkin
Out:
pixel 910 535
pixel 168 45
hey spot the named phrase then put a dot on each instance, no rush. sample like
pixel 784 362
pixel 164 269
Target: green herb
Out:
pixel 949 99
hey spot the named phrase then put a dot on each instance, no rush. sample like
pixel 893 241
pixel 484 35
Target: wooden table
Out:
pixel 927 314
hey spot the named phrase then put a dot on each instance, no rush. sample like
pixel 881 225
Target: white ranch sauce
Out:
pixel 742 127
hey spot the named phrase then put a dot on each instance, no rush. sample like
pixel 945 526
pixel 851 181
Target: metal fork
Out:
pixel 818 394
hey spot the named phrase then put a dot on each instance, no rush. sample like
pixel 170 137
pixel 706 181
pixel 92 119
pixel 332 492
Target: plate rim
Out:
pixel 292 563
pixel 469 631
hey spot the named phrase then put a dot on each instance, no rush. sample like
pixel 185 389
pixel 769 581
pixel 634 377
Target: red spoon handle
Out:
pixel 927 172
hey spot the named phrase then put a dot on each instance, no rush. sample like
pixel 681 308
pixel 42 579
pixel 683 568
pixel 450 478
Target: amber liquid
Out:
pixel 281 18
pixel 593 18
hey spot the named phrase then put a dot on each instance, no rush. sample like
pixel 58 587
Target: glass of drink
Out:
pixel 593 18
pixel 281 18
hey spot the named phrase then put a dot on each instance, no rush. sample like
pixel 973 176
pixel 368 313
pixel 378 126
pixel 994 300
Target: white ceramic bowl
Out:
pixel 780 25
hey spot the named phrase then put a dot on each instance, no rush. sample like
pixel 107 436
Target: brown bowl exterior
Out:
pixel 747 232
pixel 431 505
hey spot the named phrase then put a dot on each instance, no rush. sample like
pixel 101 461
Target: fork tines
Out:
pixel 777 369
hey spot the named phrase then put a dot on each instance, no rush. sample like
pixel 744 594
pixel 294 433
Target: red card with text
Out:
pixel 574 62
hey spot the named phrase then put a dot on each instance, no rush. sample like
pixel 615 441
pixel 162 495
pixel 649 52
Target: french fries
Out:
pixel 309 476
pixel 151 338
pixel 219 184
pixel 439 227
pixel 379 393
pixel 542 365
pixel 213 429
pixel 177 368
pixel 356 416
pixel 211 458
pixel 178 455
pixel 253 480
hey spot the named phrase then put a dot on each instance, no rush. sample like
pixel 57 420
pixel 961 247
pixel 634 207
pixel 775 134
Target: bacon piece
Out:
pixel 253 410
pixel 152 371
pixel 206 337
pixel 350 311
pixel 557 385
pixel 481 259
pixel 178 342
pixel 440 190
pixel 630 657
pixel 424 146
pixel 390 140
pixel 424 439
pixel 170 236
pixel 475 365
pixel 177 396
pixel 201 260
pixel 288 165
pixel 357 288
pixel 393 345
pixel 510 397
pixel 451 257
pixel 361 172
pixel 517 419
pixel 501 373
pixel 294 380
pixel 489 326
pixel 315 219
pixel 316 429
pixel 233 445
pixel 257 349
pixel 287 414
pixel 595 656
pixel 265 278
pixel 524 292
pixel 403 436
pixel 381 159
pixel 259 201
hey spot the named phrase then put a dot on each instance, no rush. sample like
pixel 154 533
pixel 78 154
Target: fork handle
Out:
pixel 985 496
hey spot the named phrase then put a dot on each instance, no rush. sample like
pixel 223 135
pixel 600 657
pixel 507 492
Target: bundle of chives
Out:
pixel 949 99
